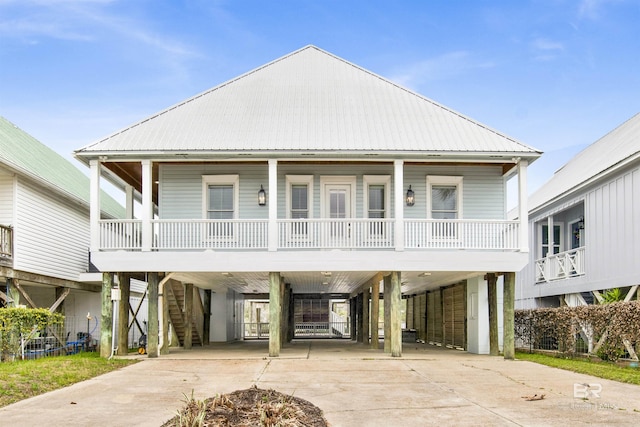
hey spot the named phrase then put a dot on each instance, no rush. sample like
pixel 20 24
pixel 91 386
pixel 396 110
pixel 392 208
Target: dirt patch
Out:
pixel 250 407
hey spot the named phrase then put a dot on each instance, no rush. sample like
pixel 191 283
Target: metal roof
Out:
pixel 603 156
pixel 24 154
pixel 309 100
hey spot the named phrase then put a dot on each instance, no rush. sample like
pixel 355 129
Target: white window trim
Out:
pixel 208 180
pixel 445 180
pixel 299 180
pixel 384 180
pixel 368 180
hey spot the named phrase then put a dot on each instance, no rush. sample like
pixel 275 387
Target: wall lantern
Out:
pixel 581 223
pixel 262 196
pixel 410 197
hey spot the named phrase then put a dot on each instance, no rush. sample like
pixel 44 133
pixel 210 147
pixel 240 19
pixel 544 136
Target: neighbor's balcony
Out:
pixel 312 234
pixel 562 265
pixel 6 242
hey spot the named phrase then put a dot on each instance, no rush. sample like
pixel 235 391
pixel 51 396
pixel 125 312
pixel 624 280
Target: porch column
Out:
pixel 188 316
pixel 163 302
pixel 272 201
pixel 387 313
pixel 375 314
pixel 359 316
pixel 365 315
pixel 508 302
pixel 274 314
pixel 128 192
pixel 398 197
pixel 522 206
pixel 550 236
pixel 396 323
pixel 94 208
pixel 123 314
pixel 492 292
pixel 283 311
pixel 207 317
pixel 353 316
pixel 147 205
pixel 106 315
pixel 152 316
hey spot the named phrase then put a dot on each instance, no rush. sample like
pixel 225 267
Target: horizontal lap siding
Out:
pixel 6 199
pixel 51 237
pixel 483 195
pixel 181 187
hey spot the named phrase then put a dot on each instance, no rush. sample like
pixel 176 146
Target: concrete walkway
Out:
pixel 353 385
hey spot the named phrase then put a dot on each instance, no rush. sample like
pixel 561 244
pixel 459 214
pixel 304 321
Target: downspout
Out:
pixel 115 297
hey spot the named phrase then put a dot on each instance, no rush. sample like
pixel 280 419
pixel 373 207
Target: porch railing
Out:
pixel 335 233
pixel 461 234
pixel 6 242
pixel 252 234
pixel 560 266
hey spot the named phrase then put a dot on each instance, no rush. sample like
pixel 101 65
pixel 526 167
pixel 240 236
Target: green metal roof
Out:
pixel 26 155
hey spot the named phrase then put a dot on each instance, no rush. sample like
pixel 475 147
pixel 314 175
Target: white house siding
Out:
pixel 6 198
pixel 181 187
pixel 611 214
pixel 51 237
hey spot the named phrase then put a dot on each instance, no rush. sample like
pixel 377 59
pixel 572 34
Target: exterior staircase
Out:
pixel 174 294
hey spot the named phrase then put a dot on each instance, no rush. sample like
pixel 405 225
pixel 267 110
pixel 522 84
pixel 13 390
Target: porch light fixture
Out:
pixel 262 196
pixel 581 223
pixel 410 197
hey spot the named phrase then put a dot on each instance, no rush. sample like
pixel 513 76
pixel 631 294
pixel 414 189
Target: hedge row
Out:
pixel 619 321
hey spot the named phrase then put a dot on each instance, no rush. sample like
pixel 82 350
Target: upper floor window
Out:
pixel 220 202
pixel 376 202
pixel 444 197
pixel 299 197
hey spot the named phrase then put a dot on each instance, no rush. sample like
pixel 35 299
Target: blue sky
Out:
pixel 554 74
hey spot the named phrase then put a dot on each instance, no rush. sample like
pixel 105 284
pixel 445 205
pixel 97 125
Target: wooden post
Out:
pixel 508 303
pixel 206 327
pixel 386 296
pixel 292 320
pixel 353 315
pixel 275 307
pixel 152 316
pixel 60 292
pixel 123 314
pixel 396 322
pixel 106 315
pixel 375 314
pixel 165 317
pixel 492 290
pixel 359 316
pixel 188 316
pixel 286 288
pixel 409 313
pixel 365 315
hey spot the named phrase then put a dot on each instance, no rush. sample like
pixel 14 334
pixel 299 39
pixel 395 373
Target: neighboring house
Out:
pixel 44 231
pixel 308 179
pixel 583 225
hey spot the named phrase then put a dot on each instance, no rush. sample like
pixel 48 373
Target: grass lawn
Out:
pixel 27 378
pixel 604 370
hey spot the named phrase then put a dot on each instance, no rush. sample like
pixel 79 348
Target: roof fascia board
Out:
pixel 598 177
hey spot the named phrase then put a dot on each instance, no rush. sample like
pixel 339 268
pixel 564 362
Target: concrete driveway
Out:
pixel 353 385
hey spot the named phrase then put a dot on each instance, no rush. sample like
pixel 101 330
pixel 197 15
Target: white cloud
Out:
pixel 591 9
pixel 441 67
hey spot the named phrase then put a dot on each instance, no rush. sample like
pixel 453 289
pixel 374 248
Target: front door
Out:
pixel 337 211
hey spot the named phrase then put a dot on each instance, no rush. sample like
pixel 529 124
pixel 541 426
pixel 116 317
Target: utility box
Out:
pixel 409 335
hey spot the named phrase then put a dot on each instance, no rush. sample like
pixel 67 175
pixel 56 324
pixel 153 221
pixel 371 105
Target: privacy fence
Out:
pixel 609 331
pixel 34 333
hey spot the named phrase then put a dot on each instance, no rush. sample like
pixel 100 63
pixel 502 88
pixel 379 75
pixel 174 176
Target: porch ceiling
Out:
pixel 318 282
